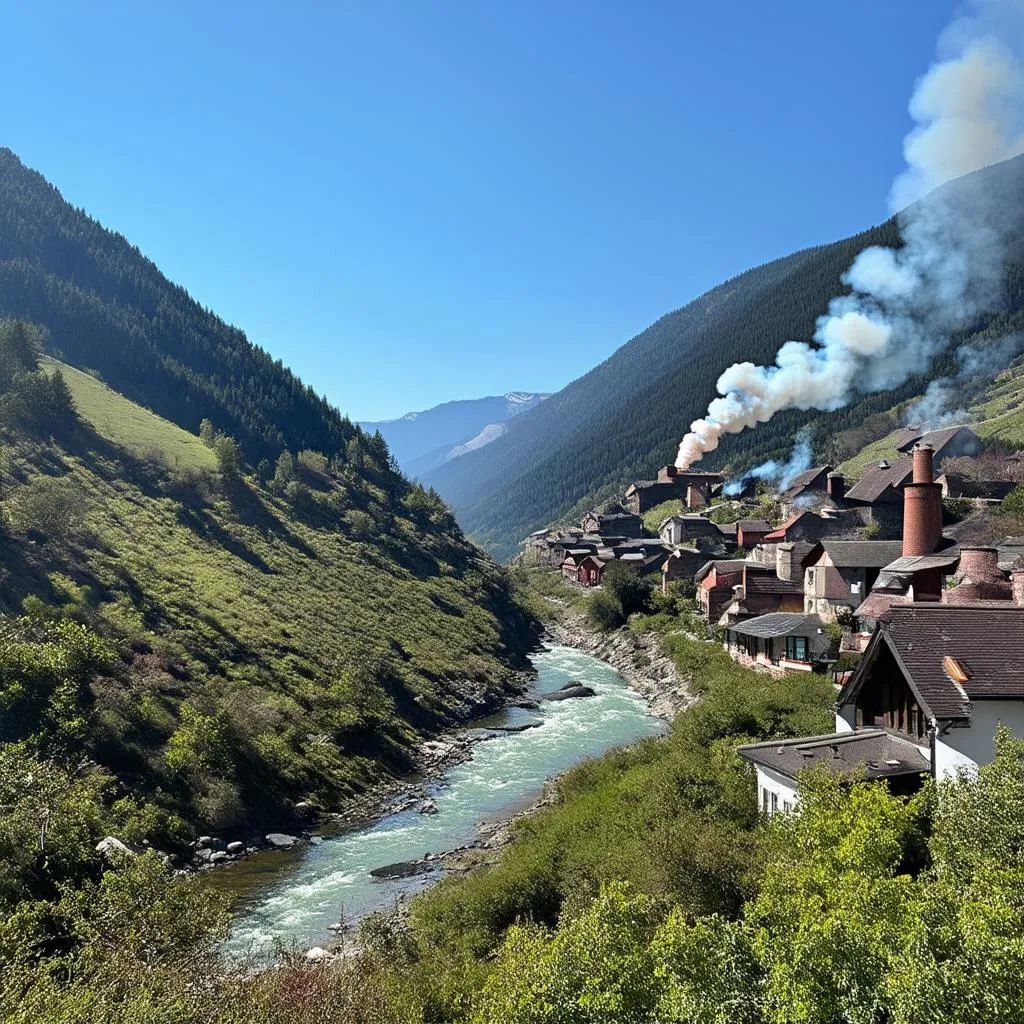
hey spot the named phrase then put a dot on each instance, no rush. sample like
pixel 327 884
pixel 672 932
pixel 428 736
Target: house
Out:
pixel 927 697
pixel 693 489
pixel 956 485
pixel 750 532
pixel 839 574
pixel 689 529
pixel 871 753
pixel 805 489
pixel 682 564
pixel 583 568
pixel 880 489
pixel 761 591
pixel 615 522
pixel 714 583
pixel 780 639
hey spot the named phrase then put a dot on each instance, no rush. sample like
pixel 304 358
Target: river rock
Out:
pixel 568 692
pixel 317 954
pixel 428 807
pixel 280 841
pixel 236 849
pixel 526 705
pixel 517 728
pixel 219 856
pixel 402 869
pixel 112 850
pixel 204 842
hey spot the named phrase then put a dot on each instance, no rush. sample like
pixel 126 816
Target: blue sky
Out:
pixel 410 203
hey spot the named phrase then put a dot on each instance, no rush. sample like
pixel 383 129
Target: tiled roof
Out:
pixel 874 752
pixel 770 583
pixel 918 563
pixel 721 565
pixel 861 554
pixel 779 624
pixel 986 640
pixel 873 484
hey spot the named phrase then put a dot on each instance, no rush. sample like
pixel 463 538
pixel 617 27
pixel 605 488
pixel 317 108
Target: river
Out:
pixel 297 895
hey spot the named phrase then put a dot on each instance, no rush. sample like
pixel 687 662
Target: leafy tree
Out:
pixel 284 472
pixel 206 432
pixel 229 455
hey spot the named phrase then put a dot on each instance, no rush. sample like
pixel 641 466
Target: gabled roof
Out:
pixel 724 565
pixel 803 480
pixel 874 752
pixel 985 640
pixel 857 554
pixel 938 439
pixel 777 624
pixel 919 563
pixel 877 480
pixel 779 533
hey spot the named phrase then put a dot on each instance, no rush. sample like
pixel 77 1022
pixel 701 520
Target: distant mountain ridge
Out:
pixel 625 417
pixel 422 441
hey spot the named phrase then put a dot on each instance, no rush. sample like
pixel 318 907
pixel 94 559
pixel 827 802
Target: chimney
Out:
pixel 1017 577
pixel 667 474
pixel 696 496
pixel 836 486
pixel 922 506
pixel 784 561
pixel 980 564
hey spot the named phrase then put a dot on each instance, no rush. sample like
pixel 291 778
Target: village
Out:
pixel 899 585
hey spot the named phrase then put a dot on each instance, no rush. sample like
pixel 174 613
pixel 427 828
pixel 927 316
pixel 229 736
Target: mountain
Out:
pixel 422 441
pixel 109 309
pixel 625 417
pixel 222 636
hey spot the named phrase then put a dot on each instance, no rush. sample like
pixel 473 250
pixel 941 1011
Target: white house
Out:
pixel 932 687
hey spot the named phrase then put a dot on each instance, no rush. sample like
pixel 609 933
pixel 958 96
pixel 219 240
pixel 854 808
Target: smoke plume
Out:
pixel 781 473
pixel 904 303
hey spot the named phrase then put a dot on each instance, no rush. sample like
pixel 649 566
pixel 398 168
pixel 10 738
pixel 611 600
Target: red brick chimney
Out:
pixel 922 506
pixel 836 486
pixel 667 474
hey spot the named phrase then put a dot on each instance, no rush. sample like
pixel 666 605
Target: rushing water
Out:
pixel 296 896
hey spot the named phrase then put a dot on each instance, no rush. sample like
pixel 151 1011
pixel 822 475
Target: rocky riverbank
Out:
pixel 637 658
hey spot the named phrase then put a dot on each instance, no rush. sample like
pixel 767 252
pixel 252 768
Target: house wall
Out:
pixel 970 747
pixel 845 718
pixel 779 789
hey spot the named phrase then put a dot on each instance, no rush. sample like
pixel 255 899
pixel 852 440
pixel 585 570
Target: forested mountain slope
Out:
pixel 625 417
pixel 222 646
pixel 109 309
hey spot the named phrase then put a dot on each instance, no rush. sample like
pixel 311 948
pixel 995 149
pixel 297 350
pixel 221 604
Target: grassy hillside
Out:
pixel 132 428
pixel 266 647
pixel 624 418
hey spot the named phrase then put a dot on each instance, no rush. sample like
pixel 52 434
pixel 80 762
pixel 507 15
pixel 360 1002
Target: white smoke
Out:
pixel 782 473
pixel 904 303
pixel 938 406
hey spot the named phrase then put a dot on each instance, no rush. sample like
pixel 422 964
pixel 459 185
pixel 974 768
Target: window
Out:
pixel 796 648
pixel 764 800
pixel 775 802
pixel 786 807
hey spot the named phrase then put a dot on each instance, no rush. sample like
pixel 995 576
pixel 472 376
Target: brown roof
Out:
pixel 986 640
pixel 874 752
pixel 806 479
pixel 723 565
pixel 876 481
pixel 938 439
pixel 779 533
pixel 770 583
pixel 754 525
pixel 906 437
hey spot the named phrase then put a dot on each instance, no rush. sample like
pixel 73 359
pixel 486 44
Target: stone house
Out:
pixel 839 574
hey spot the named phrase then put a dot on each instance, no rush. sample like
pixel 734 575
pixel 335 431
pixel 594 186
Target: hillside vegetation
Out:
pixel 251 644
pixel 624 418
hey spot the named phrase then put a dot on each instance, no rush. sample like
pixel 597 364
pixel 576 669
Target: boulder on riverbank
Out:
pixel 280 841
pixel 402 869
